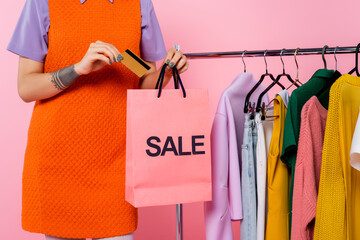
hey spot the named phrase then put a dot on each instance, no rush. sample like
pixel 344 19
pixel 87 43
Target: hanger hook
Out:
pixel 282 50
pixel 297 65
pixel 265 61
pixel 335 57
pixel 323 55
pixel 242 57
pixel 357 60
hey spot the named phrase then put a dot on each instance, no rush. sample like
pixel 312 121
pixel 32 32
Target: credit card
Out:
pixel 135 63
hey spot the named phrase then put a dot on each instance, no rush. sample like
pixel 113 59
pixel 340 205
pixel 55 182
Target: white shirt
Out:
pixel 264 132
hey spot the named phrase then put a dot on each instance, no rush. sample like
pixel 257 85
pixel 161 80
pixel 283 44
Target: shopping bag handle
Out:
pixel 161 76
pixel 176 77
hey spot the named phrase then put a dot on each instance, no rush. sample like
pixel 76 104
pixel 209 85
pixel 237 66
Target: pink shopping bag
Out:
pixel 168 158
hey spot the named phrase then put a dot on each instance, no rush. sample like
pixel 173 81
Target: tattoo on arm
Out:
pixel 64 77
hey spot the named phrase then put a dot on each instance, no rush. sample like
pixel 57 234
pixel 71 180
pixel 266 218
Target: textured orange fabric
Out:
pixel 74 168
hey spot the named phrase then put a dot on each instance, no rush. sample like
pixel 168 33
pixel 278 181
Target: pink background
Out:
pixel 198 26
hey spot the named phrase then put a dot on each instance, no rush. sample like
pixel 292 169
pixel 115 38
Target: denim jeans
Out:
pixel 248 180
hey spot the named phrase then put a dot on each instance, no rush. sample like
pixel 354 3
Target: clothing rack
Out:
pixel 271 53
pixel 259 53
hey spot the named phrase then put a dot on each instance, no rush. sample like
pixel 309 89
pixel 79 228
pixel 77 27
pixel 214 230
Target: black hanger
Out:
pixel 258 106
pixel 335 57
pixel 335 76
pixel 285 74
pixel 247 99
pixel 323 55
pixel 356 68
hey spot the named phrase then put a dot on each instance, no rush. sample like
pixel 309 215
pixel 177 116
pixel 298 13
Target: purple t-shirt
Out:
pixel 30 37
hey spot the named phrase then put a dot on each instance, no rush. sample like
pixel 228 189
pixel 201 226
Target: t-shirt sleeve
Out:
pixel 289 141
pixel 30 38
pixel 289 148
pixel 152 44
pixel 355 147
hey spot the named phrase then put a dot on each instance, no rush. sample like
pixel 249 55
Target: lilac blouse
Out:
pixel 30 37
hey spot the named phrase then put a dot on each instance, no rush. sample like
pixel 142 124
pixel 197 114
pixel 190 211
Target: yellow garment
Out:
pixel 338 208
pixel 277 224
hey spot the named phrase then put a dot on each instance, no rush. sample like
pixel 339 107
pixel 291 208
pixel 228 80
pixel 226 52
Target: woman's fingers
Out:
pixel 101 57
pixel 181 62
pixel 184 65
pixel 103 50
pixel 178 59
pixel 113 54
pixel 170 54
pixel 117 57
pixel 97 56
pixel 175 59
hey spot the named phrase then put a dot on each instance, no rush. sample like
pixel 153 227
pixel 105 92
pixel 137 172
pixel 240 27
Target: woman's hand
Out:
pixel 176 58
pixel 173 58
pixel 98 55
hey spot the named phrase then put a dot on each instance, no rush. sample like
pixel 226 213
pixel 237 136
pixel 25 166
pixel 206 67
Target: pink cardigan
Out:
pixel 307 169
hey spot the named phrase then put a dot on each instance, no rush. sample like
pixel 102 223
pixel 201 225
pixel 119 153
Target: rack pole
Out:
pixel 179 222
pixel 256 53
pixel 260 53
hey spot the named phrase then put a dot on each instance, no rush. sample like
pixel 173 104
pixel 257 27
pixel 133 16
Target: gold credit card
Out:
pixel 134 63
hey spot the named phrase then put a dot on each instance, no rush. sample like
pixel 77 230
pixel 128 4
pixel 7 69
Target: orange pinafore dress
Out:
pixel 74 167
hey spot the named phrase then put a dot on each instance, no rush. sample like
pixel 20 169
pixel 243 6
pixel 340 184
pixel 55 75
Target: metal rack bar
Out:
pixel 270 53
pixel 179 222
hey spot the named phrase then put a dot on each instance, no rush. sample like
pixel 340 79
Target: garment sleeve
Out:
pixel 234 187
pixel 330 220
pixel 30 37
pixel 226 191
pixel 152 44
pixel 305 189
pixel 355 147
pixel 289 141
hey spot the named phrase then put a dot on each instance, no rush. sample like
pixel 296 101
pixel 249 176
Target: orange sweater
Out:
pixel 74 168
